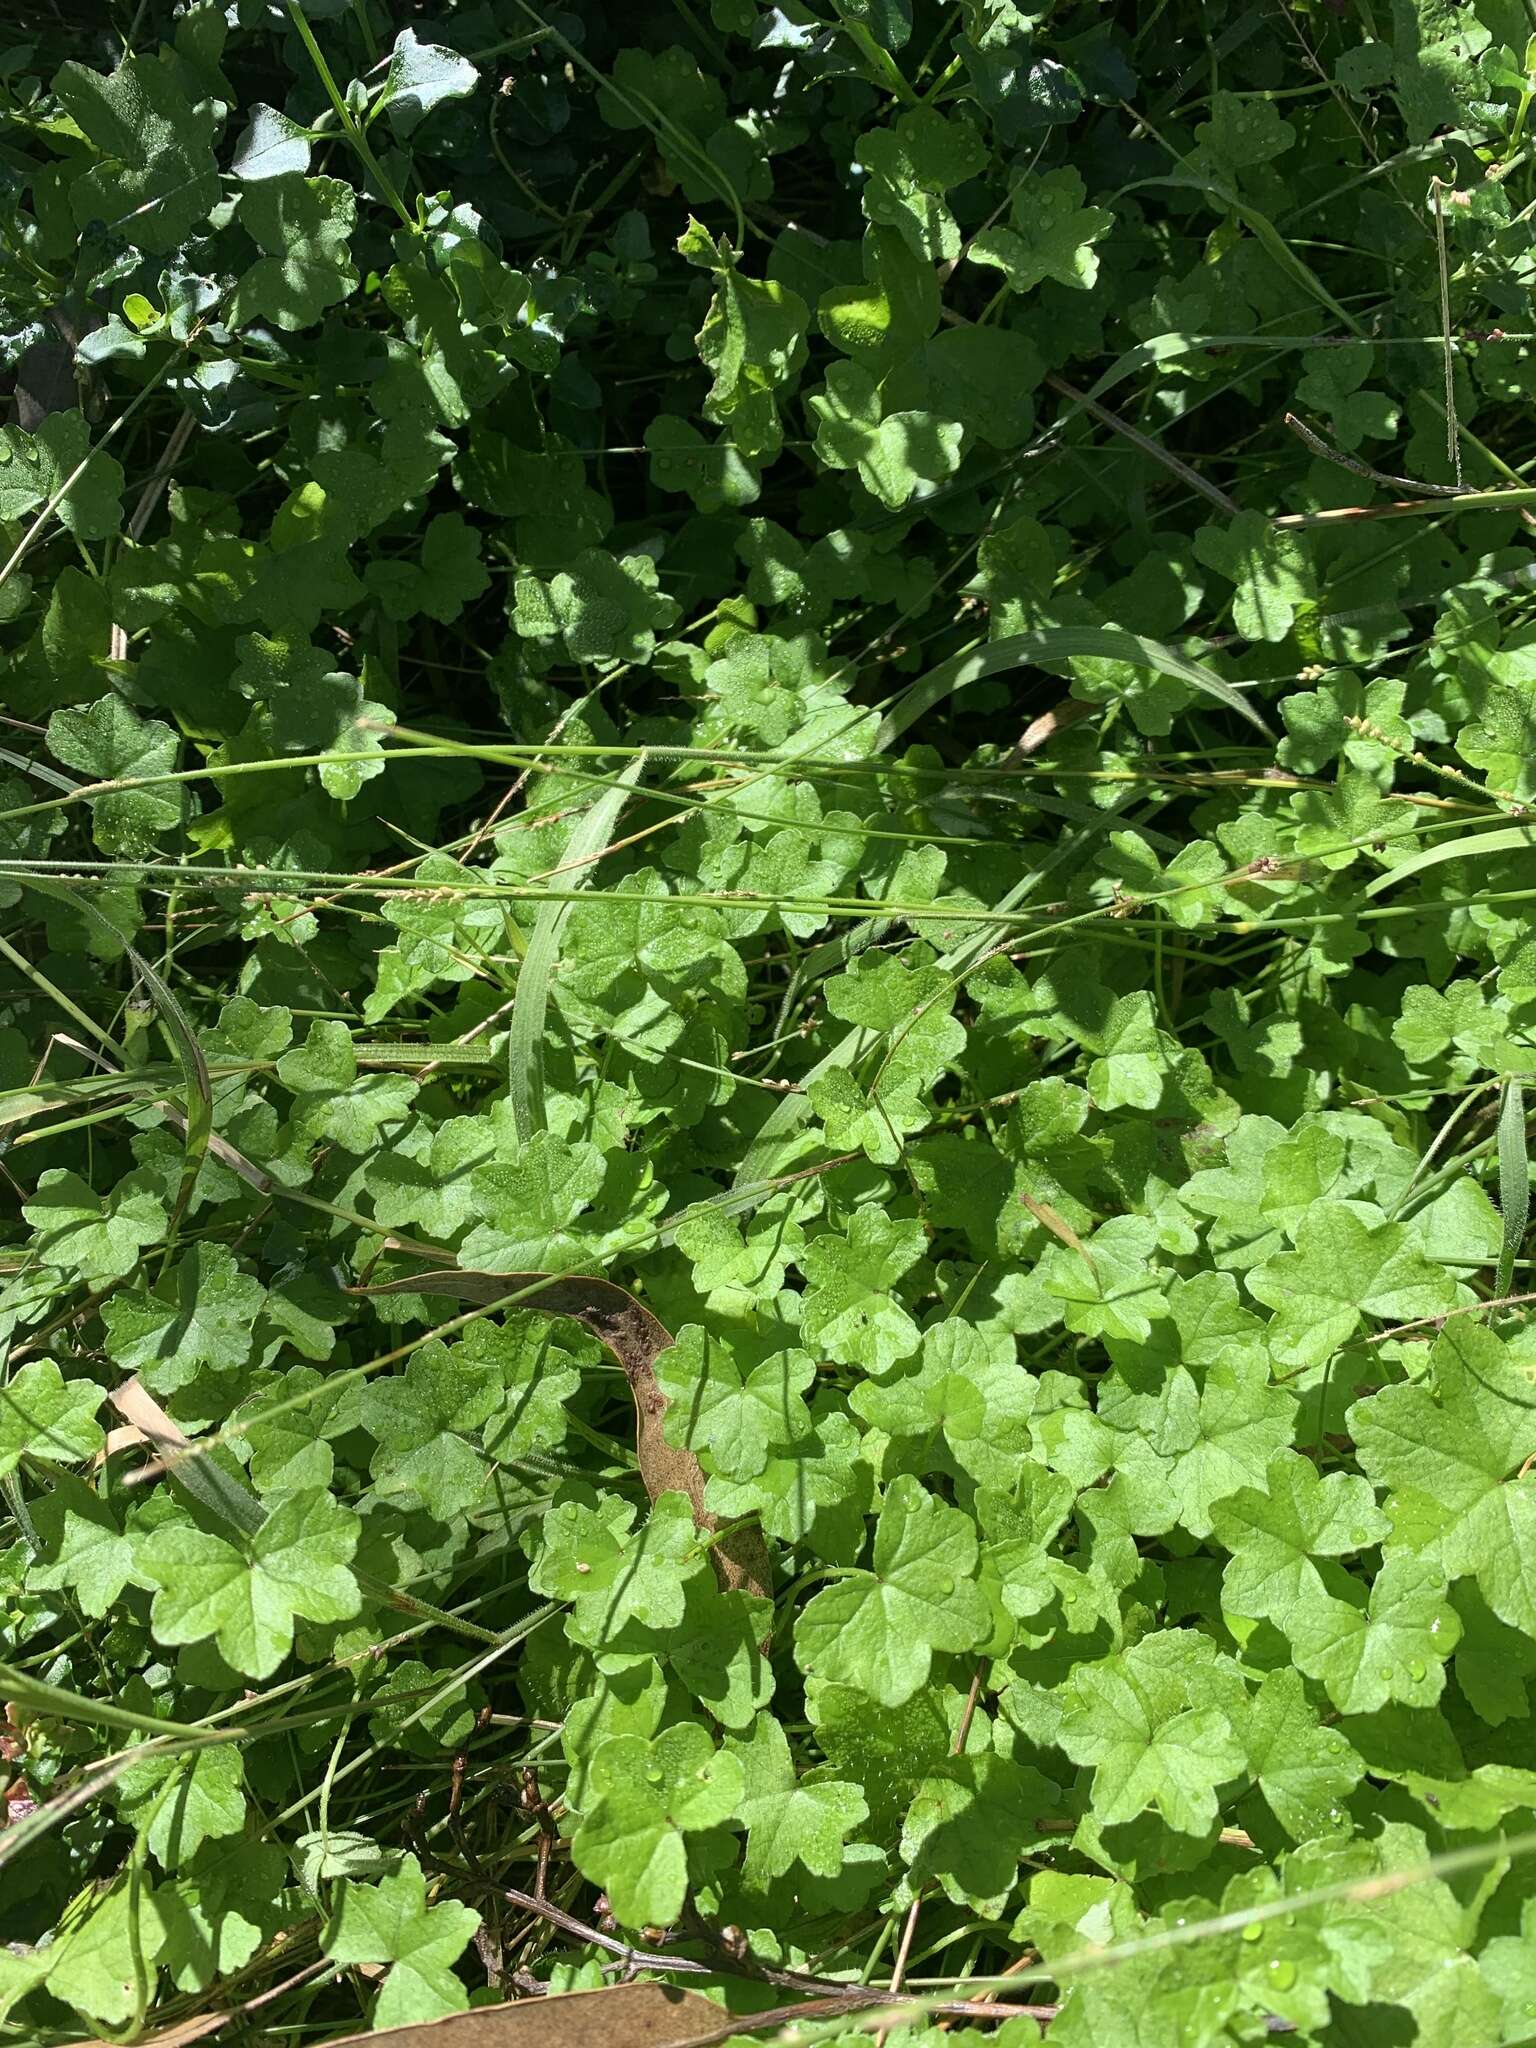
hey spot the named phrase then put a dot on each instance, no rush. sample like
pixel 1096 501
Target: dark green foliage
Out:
pixel 736 582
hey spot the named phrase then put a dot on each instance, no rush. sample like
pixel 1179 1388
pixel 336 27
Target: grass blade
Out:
pixel 189 1054
pixel 1481 846
pixel 525 1035
pixel 1514 1182
pixel 1058 643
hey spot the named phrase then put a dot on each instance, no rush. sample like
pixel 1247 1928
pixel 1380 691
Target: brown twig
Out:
pixel 203 2024
pixel 827 1996
pixel 160 476
pixel 1467 1308
pixel 1328 453
pixel 1518 499
pixel 143 512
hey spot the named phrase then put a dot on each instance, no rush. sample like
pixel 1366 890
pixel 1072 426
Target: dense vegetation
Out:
pixel 861 678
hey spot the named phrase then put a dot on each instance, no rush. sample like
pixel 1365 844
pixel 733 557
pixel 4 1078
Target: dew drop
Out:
pixel 654 1775
pixel 1282 1975
pixel 946 1587
pixel 1416 1671
pixel 1254 1931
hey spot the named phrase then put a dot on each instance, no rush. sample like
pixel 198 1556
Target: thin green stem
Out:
pixel 357 140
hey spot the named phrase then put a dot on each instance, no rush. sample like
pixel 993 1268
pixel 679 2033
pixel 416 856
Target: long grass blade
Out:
pixel 1058 643
pixel 189 1054
pixel 1481 846
pixel 1514 1182
pixel 525 1035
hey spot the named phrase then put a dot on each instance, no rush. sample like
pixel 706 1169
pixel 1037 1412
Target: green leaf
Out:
pixel 448 576
pixel 970 1825
pixel 1109 1288
pixel 332 1099
pixel 912 164
pixel 43 1415
pixel 849 1312
pixel 1052 235
pixel 1304 1770
pixel 109 742
pixel 525 1037
pixel 422 1421
pixel 82 1548
pixel 736 1414
pixel 98 1238
pixel 422 76
pixel 155 179
pixel 216 1915
pixel 246 1596
pixel 896 455
pixel 588 1555
pixel 443 935
pixel 57 465
pixel 201 1313
pixel 606 607
pixel 303 225
pixel 178 1803
pixel 1509 1970
pixel 1270 568
pixel 752 342
pixel 1135 1718
pixel 97 1964
pixel 1241 133
pixel 1452 1450
pixel 1391 1645
pixel 532 1208
pixel 1343 1268
pixel 713 474
pixel 642 1799
pixel 1277 1531
pixel 878 1630
pixel 271 147
pixel 424 1176
pixel 791 1820
pixel 391 1922
pixel 969 1387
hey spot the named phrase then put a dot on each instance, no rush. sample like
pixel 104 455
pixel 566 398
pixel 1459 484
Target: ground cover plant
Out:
pixel 765 859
